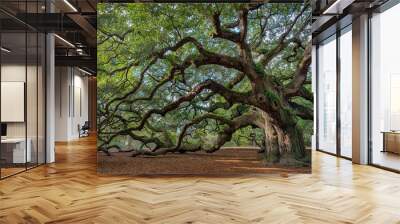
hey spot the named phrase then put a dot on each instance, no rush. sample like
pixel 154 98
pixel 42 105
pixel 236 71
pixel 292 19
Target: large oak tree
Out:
pixel 188 77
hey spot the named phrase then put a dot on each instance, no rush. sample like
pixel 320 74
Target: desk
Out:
pixel 391 141
pixel 16 147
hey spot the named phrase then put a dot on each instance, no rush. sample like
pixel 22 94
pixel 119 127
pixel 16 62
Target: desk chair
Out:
pixel 84 130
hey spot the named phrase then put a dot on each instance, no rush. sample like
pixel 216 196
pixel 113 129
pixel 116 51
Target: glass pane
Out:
pixel 14 153
pixel 346 93
pixel 385 84
pixel 22 88
pixel 41 99
pixel 327 96
pixel 17 8
pixel 31 97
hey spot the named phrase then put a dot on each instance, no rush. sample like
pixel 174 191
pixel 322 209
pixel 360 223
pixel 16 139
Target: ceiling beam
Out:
pixel 86 26
pixel 49 22
pixel 79 61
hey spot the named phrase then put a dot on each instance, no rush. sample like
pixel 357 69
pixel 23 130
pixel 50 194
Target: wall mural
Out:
pixel 204 88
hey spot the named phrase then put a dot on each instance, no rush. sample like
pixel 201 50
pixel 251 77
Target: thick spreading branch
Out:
pixel 304 112
pixel 223 136
pixel 300 75
pixel 220 32
pixel 282 42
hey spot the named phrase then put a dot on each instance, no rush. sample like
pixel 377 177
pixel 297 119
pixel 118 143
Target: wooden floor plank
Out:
pixel 70 191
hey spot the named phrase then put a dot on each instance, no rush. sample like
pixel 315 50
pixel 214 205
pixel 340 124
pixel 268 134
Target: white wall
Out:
pixel 62 81
pixel 16 73
pixel 12 73
pixel 71 102
pixel 80 104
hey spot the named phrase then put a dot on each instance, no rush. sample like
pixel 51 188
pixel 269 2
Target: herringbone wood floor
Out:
pixel 70 191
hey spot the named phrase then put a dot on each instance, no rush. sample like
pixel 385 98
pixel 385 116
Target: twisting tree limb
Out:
pixel 300 75
pixel 282 42
pixel 224 136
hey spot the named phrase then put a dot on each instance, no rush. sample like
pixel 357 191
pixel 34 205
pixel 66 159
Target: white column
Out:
pixel 50 100
pixel 360 90
pixel 314 90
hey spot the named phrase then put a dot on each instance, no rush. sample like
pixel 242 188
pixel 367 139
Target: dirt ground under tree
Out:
pixel 224 162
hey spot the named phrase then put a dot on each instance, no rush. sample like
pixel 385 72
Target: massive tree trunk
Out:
pixel 284 146
pixel 293 141
pixel 272 146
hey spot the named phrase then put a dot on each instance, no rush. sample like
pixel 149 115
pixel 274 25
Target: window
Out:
pixel 385 89
pixel 22 77
pixel 327 95
pixel 346 92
